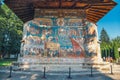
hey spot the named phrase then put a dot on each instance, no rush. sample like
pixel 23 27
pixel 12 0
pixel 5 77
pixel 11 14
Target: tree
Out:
pixel 104 36
pixel 105 44
pixel 10 32
pixel 116 44
pixel 109 48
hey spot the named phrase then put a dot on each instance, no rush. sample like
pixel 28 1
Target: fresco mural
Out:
pixel 59 37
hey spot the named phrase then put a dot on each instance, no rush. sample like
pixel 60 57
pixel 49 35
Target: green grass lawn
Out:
pixel 6 62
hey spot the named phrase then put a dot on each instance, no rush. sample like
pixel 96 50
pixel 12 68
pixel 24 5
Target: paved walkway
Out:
pixel 38 76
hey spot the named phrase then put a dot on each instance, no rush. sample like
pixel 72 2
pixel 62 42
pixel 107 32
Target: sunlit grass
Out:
pixel 6 62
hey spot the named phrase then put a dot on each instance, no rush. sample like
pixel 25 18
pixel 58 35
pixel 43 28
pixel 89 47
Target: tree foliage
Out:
pixel 115 43
pixel 109 47
pixel 105 40
pixel 104 36
pixel 10 31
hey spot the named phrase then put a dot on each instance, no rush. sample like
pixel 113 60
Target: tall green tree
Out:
pixel 10 32
pixel 104 36
pixel 116 44
pixel 105 40
pixel 109 48
pixel 105 43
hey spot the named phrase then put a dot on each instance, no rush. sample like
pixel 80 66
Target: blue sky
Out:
pixel 111 22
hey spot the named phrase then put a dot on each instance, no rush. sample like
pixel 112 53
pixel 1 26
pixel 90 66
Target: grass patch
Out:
pixel 6 62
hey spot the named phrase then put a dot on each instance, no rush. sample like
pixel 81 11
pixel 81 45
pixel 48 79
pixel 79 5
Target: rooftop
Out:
pixel 94 10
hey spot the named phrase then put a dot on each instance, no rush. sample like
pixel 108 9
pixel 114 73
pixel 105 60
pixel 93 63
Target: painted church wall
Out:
pixel 60 37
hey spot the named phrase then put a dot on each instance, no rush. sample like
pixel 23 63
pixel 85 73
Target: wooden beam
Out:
pixel 102 7
pixel 97 10
pixel 67 4
pixel 78 4
pixel 74 4
pixel 95 15
pixel 92 20
pixel 106 4
pixel 96 18
pixel 105 8
pixel 60 3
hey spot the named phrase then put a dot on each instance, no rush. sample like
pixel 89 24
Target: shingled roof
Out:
pixel 94 9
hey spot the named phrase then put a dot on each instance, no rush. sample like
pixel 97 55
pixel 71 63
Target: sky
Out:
pixel 1 2
pixel 111 22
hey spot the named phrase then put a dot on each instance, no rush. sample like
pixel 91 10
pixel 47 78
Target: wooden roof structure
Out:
pixel 93 9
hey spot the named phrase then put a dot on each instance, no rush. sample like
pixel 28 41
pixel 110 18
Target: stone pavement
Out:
pixel 39 76
pixel 78 75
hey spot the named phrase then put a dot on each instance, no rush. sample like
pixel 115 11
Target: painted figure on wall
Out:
pixel 69 38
